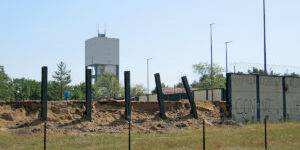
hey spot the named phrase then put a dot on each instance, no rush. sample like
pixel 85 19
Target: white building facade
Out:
pixel 103 55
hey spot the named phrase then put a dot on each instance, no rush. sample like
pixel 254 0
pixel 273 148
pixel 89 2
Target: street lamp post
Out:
pixel 211 62
pixel 148 78
pixel 226 43
pixel 265 47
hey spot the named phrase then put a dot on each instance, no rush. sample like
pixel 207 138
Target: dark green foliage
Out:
pixel 179 85
pixel 77 91
pixel 293 74
pixel 107 86
pixel 261 72
pixel 6 87
pixel 63 77
pixel 163 85
pixel 137 90
pixel 204 69
pixel 26 89
pixel 218 81
pixel 256 71
pixel 20 89
pixel 53 91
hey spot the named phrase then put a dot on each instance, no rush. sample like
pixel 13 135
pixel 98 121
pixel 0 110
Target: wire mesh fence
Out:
pixel 245 67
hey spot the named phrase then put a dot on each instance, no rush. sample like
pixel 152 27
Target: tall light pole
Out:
pixel 265 47
pixel 211 63
pixel 148 59
pixel 226 43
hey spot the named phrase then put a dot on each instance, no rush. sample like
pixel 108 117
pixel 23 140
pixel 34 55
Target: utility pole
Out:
pixel 148 59
pixel 211 62
pixel 226 43
pixel 265 47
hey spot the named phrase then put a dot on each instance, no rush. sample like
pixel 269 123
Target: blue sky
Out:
pixel 174 33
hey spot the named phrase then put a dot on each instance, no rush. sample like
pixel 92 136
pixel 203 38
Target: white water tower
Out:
pixel 102 54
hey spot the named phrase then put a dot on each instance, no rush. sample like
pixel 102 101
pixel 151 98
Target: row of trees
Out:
pixel 204 70
pixel 219 80
pixel 20 89
pixel 204 81
pixel 107 86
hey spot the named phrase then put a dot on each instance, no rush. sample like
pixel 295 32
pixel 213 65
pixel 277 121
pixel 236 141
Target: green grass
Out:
pixel 281 136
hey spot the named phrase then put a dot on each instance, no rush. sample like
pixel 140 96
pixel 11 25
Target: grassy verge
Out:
pixel 250 137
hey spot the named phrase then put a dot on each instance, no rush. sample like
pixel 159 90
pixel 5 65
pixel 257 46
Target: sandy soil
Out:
pixel 108 116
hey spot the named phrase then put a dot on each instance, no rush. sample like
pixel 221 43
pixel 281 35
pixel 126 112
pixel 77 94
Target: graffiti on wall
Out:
pixel 244 108
pixel 274 95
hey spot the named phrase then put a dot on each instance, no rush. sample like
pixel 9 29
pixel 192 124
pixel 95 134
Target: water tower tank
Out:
pixel 102 54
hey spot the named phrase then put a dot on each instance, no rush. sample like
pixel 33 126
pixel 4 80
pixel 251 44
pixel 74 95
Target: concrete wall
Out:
pixel 292 98
pixel 252 97
pixel 152 98
pixel 201 95
pixel 243 97
pixel 217 94
pixel 271 97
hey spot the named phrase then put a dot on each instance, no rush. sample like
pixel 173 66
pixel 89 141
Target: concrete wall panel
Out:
pixel 271 103
pixel 243 93
pixel 217 95
pixel 200 95
pixel 292 98
pixel 152 98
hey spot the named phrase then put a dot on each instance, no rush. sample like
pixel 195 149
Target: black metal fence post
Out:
pixel 266 144
pixel 127 95
pixel 88 95
pixel 190 96
pixel 44 102
pixel 160 96
pixel 203 134
pixel 128 105
pixel 45 134
pixel 129 135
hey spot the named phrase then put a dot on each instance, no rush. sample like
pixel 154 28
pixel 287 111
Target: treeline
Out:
pixel 20 89
pixel 107 86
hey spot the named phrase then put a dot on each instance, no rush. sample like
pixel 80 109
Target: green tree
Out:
pixel 96 92
pixel 107 86
pixel 63 77
pixel 179 85
pixel 205 83
pixel 293 74
pixel 122 92
pixel 26 89
pixel 21 89
pixel 6 88
pixel 53 91
pixel 204 70
pixel 163 85
pixel 256 71
pixel 138 90
pixel 77 92
pixel 35 89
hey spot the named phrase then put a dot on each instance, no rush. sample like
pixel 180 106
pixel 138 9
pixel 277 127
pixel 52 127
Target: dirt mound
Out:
pixel 108 116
